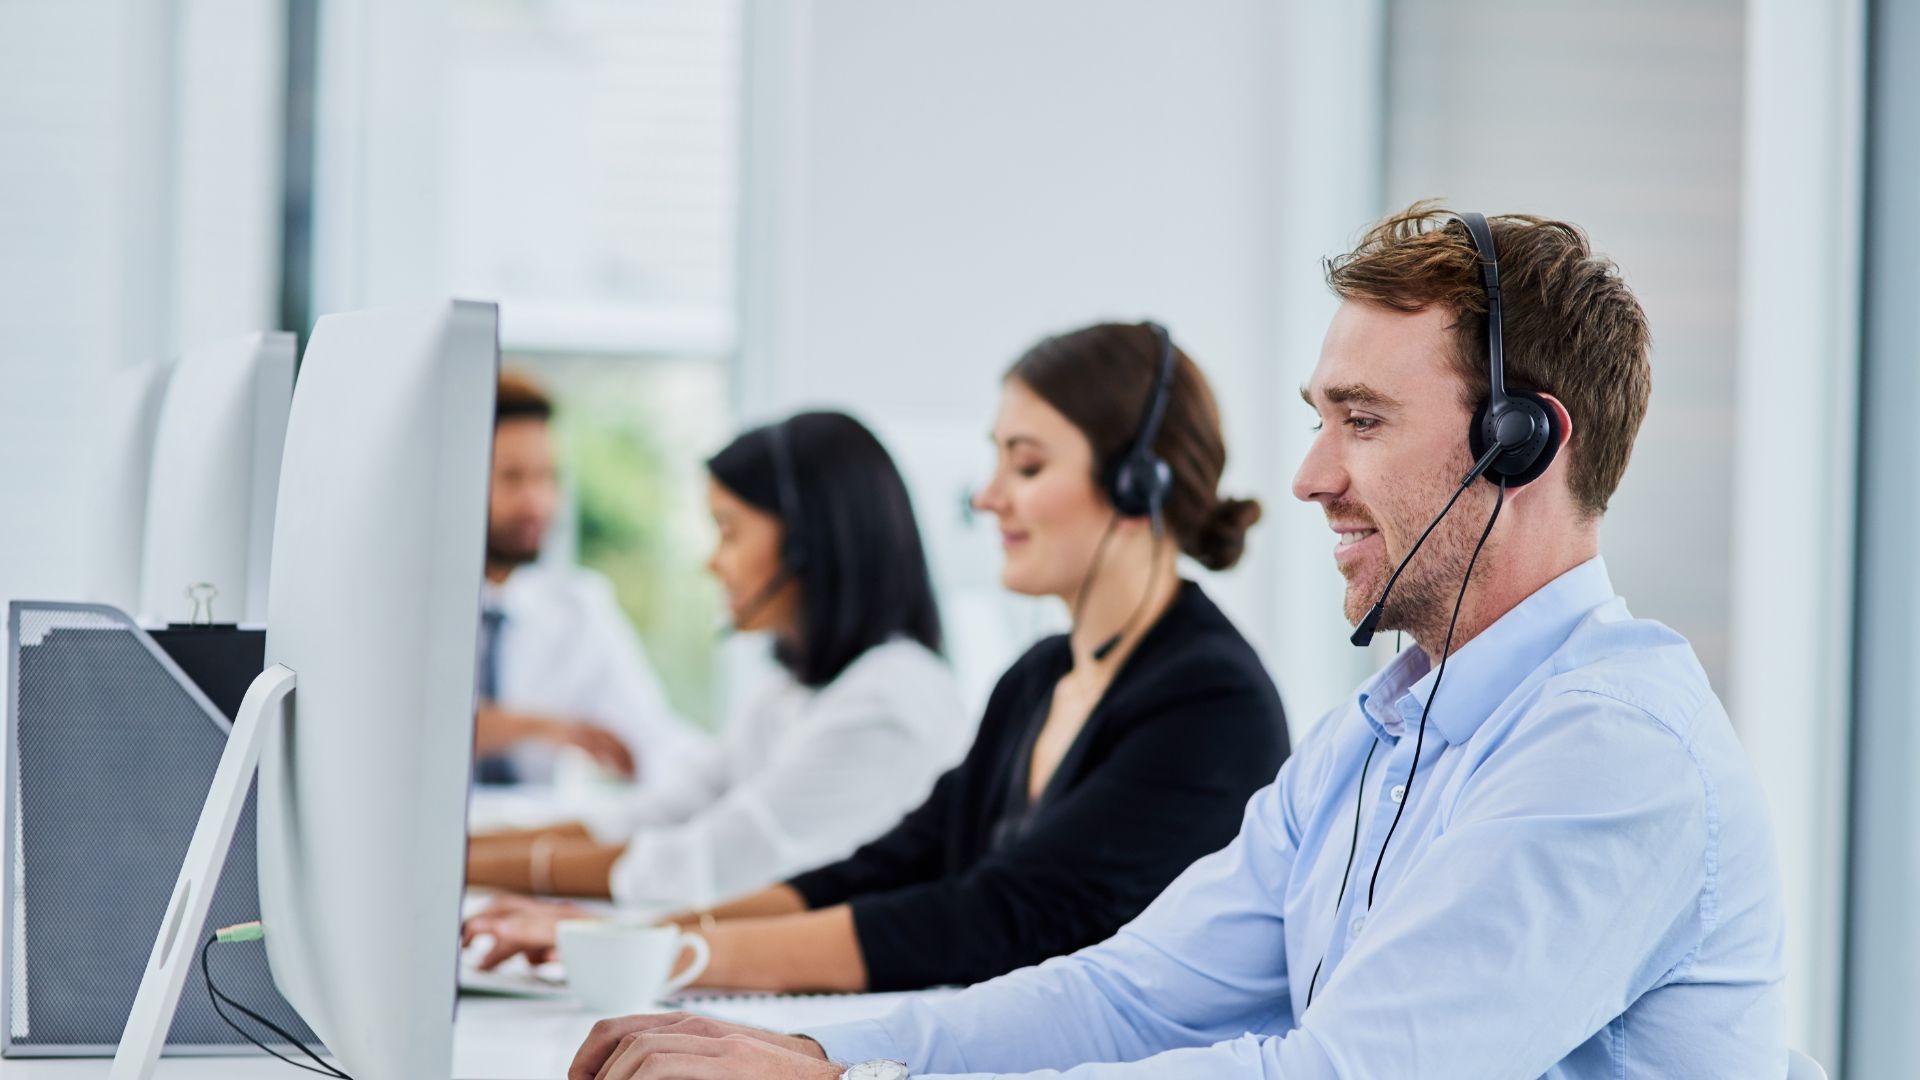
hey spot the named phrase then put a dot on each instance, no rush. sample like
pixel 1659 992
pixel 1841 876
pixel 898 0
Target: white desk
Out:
pixel 493 1039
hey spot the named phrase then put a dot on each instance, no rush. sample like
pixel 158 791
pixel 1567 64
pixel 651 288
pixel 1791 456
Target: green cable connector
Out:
pixel 246 931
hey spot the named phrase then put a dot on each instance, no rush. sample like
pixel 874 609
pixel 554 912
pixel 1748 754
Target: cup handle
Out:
pixel 701 954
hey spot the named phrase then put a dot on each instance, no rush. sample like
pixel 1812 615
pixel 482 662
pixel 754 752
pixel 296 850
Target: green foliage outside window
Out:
pixel 635 434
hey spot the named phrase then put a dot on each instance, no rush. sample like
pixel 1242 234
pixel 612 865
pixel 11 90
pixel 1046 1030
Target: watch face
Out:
pixel 877 1070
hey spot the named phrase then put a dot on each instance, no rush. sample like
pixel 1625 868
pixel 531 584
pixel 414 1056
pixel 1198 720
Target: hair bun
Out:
pixel 1223 536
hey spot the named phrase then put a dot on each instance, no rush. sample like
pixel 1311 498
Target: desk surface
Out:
pixel 493 1039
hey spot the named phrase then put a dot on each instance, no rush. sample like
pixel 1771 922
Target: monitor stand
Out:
pixel 175 945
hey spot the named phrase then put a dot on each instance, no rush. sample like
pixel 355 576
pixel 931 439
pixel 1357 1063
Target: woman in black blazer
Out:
pixel 1109 758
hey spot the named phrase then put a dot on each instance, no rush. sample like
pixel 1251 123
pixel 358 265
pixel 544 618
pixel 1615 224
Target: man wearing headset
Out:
pixel 1560 865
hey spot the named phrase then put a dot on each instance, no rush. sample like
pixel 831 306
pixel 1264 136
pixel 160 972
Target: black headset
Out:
pixel 1514 436
pixel 1522 426
pixel 786 483
pixel 1138 481
pixel 793 546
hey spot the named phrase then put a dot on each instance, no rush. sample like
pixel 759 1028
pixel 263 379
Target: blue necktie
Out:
pixel 496 769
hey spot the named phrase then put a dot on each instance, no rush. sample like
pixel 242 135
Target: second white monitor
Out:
pixel 215 474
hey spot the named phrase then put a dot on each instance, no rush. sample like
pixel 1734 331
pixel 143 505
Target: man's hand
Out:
pixel 679 1046
pixel 496 729
pixel 602 745
pixel 518 924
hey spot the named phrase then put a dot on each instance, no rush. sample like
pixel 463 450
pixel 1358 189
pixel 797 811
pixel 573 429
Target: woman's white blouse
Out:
pixel 801 778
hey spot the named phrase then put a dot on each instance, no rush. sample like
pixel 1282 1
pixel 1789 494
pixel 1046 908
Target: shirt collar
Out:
pixel 1488 668
pixel 1378 694
pixel 501 596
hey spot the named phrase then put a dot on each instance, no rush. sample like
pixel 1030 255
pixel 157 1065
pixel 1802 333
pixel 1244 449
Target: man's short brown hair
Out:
pixel 1571 326
pixel 520 396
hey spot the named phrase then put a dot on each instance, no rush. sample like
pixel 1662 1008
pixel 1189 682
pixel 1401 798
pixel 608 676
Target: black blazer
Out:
pixel 976 883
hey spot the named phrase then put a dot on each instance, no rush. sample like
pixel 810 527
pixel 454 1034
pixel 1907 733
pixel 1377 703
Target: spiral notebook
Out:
pixel 783 1012
pixel 797 1012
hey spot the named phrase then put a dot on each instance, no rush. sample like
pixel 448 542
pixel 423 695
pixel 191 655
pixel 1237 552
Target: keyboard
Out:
pixel 515 978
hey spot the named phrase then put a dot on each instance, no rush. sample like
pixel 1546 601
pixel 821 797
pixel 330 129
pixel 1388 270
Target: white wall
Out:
pixel 228 105
pixel 80 120
pixel 138 205
pixel 931 188
pixel 1634 135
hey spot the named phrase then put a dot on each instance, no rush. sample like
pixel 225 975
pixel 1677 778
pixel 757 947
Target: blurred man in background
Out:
pixel 559 667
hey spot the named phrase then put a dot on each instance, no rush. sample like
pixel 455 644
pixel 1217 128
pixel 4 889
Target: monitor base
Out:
pixel 175 946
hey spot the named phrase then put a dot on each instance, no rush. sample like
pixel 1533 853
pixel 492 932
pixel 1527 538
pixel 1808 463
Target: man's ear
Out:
pixel 1565 421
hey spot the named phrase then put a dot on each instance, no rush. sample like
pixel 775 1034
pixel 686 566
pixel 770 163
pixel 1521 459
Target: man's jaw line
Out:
pixel 500 563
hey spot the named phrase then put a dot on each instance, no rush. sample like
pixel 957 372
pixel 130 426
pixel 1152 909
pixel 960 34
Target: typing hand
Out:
pixel 518 924
pixel 677 1046
pixel 496 729
pixel 600 744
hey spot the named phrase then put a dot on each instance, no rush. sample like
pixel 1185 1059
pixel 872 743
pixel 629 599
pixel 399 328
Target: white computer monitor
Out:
pixel 377 566
pixel 361 726
pixel 126 405
pixel 214 473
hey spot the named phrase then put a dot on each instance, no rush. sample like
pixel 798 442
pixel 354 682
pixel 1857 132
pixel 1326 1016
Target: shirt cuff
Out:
pixel 607 825
pixel 856 1041
pixel 664 869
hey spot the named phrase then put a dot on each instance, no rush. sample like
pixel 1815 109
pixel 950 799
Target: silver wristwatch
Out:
pixel 877 1070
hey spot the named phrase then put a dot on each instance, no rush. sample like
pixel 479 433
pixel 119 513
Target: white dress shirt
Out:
pixel 799 779
pixel 566 650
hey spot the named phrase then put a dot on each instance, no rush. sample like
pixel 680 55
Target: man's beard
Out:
pixel 1422 600
pixel 502 551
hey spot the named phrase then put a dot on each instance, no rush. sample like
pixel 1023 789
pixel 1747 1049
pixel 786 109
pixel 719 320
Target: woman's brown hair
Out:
pixel 1100 378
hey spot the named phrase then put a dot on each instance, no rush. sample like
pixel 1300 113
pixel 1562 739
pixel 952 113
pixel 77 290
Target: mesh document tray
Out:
pixel 111 751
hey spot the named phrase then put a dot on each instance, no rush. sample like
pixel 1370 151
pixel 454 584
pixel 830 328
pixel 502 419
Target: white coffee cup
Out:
pixel 622 967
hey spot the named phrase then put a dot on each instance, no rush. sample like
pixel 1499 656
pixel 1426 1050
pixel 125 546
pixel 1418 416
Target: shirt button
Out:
pixel 1399 793
pixel 1359 923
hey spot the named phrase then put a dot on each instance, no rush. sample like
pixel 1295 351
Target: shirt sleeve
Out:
pixel 693 786
pixel 908 853
pixel 627 697
pixel 830 786
pixel 1566 884
pixel 913 851
pixel 1161 982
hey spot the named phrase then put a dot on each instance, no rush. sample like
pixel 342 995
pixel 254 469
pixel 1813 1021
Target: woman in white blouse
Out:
pixel 818 549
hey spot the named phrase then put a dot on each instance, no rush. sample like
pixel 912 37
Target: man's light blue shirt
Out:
pixel 1582 886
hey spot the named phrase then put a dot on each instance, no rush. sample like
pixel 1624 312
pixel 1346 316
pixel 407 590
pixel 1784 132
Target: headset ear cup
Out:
pixel 1160 487
pixel 1523 465
pixel 1119 487
pixel 1125 490
pixel 1138 485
